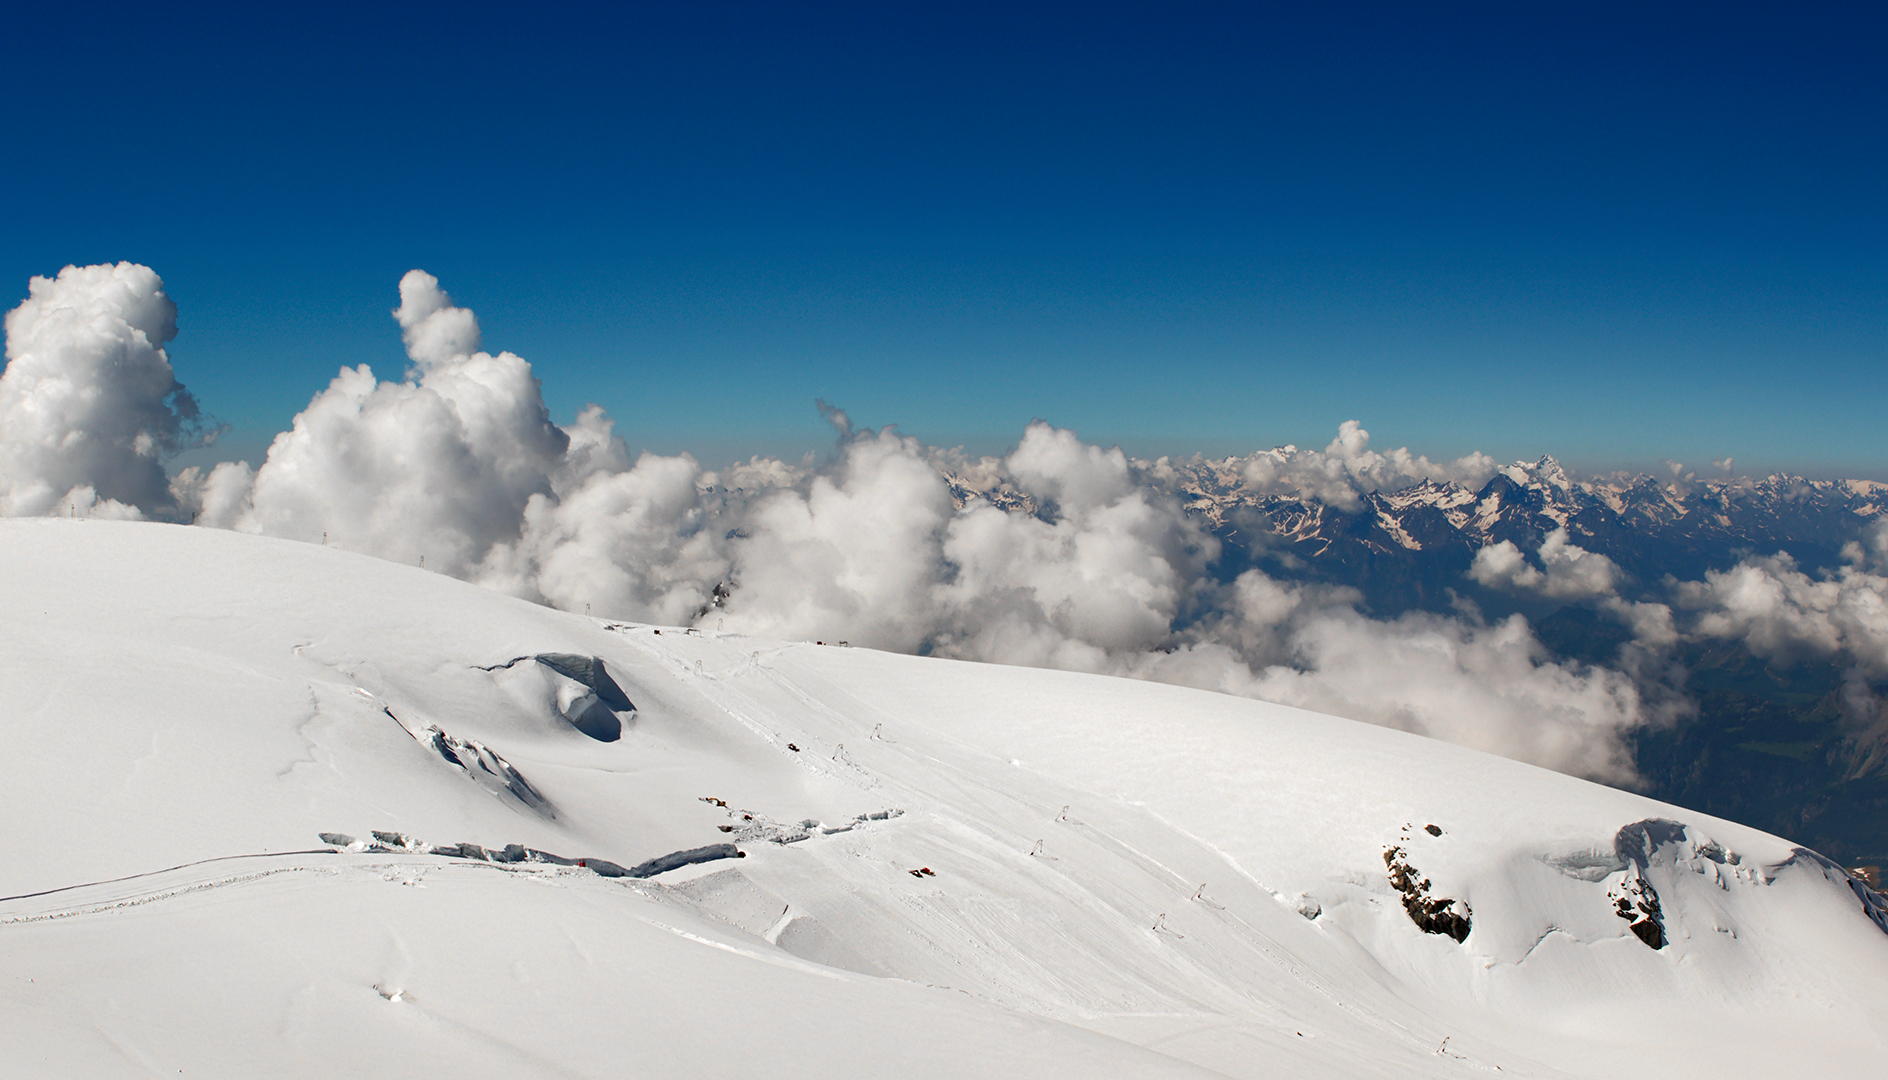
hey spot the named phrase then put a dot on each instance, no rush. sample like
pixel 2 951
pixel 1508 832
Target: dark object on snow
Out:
pixel 921 872
pixel 1433 830
pixel 1432 915
pixel 725 828
pixel 793 748
pixel 1635 901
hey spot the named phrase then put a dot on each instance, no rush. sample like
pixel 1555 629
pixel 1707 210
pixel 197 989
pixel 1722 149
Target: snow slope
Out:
pixel 1126 878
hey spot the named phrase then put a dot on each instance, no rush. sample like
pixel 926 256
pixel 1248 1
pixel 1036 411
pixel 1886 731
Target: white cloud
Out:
pixel 1783 615
pixel 1567 571
pixel 1106 568
pixel 1490 687
pixel 439 467
pixel 89 404
pixel 853 554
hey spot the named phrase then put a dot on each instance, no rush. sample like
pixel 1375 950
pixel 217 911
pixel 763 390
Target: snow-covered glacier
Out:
pixel 278 809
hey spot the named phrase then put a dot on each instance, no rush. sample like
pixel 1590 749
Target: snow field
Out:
pixel 949 869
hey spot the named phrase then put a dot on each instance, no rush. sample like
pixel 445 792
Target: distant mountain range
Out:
pixel 1407 548
pixel 1772 747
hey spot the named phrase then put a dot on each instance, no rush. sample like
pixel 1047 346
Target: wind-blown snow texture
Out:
pixel 945 869
pixel 1344 579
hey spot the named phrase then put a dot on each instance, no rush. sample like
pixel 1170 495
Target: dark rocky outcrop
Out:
pixel 1434 915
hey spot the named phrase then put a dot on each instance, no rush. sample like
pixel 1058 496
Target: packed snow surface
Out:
pixel 278 809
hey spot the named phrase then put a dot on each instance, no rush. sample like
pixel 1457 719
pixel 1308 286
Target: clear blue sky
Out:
pixel 1595 231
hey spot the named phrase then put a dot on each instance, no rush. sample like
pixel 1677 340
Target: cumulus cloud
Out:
pixel 89 404
pixel 1570 573
pixel 1566 572
pixel 439 466
pixel 1104 567
pixel 854 553
pixel 1784 615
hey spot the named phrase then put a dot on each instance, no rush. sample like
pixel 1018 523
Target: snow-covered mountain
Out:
pixel 1638 519
pixel 1409 547
pixel 279 809
pixel 1522 503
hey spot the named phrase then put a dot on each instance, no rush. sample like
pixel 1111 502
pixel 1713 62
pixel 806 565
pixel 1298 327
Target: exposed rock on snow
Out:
pixel 1435 915
pixel 1638 903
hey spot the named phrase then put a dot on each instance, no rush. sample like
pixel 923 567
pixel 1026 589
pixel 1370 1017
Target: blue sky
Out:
pixel 1593 231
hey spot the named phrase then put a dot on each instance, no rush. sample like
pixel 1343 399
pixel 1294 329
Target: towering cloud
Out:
pixel 89 405
pixel 439 466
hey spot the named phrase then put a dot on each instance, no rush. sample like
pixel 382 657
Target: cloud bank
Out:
pixel 1075 557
